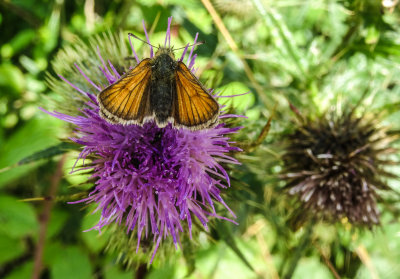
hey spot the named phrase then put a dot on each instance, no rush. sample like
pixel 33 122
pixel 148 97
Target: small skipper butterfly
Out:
pixel 159 89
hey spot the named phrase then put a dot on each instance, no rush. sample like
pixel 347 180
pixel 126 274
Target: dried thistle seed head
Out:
pixel 336 164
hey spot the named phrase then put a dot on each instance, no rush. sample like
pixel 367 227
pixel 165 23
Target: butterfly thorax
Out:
pixel 163 68
pixel 163 65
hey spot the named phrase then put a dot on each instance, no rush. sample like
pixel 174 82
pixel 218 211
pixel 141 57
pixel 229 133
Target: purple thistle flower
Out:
pixel 151 179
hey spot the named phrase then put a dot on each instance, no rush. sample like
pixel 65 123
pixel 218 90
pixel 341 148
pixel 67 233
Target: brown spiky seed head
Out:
pixel 335 165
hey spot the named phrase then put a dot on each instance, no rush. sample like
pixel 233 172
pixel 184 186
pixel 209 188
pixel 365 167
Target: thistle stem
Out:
pixel 45 218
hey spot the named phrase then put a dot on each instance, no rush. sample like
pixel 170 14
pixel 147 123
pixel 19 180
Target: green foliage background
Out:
pixel 314 54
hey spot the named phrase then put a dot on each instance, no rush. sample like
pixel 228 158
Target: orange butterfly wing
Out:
pixel 194 107
pixel 127 100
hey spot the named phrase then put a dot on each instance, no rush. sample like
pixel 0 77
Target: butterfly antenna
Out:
pixel 192 45
pixel 136 37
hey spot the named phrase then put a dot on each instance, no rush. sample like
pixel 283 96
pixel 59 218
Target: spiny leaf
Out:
pixel 43 154
pixel 48 152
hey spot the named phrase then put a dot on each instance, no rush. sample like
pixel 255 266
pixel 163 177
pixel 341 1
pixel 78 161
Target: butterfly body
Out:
pixel 159 89
pixel 162 87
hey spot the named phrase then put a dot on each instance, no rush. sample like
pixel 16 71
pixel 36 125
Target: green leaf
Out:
pixel 57 221
pixel 93 239
pixel 114 272
pixel 18 42
pixel 21 272
pixel 71 262
pixel 189 253
pixel 17 218
pixel 372 36
pixel 10 248
pixel 282 35
pixel 312 269
pixel 52 251
pixel 225 233
pixel 165 272
pixel 298 252
pixel 240 103
pixel 219 261
pixel 11 79
pixel 35 135
pixel 79 177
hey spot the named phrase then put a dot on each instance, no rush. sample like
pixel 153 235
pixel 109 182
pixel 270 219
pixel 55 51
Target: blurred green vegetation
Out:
pixel 315 54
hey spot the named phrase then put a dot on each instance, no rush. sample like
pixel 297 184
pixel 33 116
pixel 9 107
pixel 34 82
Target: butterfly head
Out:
pixel 169 51
pixel 164 63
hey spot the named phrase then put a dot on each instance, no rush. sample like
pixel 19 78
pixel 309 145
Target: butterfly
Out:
pixel 159 89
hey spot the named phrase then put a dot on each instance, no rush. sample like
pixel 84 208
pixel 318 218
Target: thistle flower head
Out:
pixel 151 180
pixel 335 165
